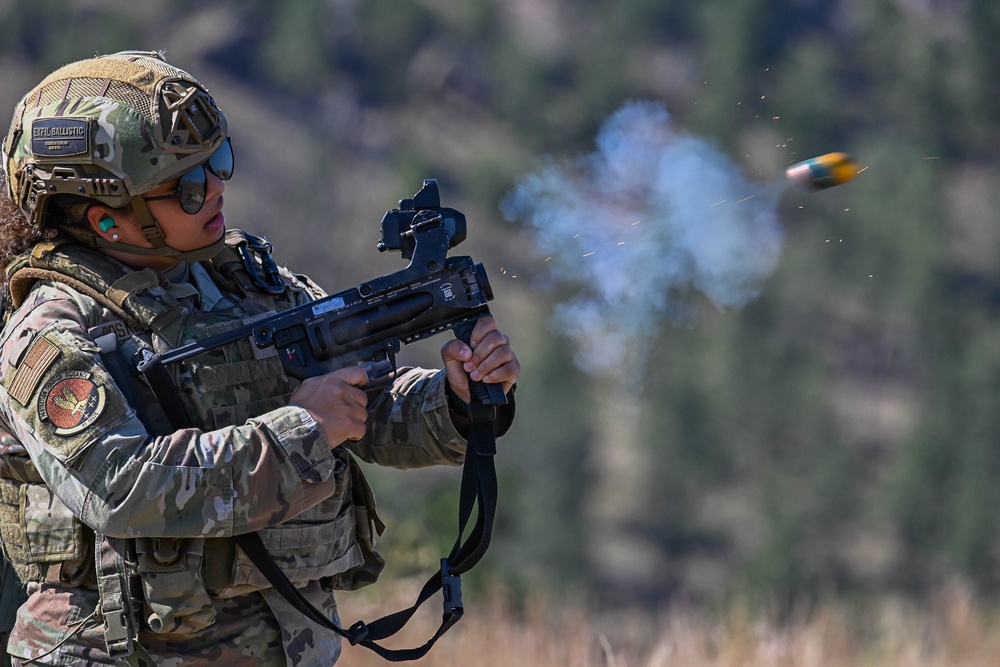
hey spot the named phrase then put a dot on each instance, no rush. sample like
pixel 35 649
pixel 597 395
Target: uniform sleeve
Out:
pixel 410 425
pixel 95 454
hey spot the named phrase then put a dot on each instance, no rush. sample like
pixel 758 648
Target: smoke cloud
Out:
pixel 641 227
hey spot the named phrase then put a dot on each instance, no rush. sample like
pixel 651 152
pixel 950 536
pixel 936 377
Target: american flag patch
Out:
pixel 30 372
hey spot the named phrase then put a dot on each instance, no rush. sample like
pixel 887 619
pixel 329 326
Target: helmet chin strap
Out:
pixel 199 255
pixel 154 235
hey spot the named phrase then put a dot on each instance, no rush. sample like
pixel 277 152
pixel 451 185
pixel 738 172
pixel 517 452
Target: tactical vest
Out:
pixel 331 541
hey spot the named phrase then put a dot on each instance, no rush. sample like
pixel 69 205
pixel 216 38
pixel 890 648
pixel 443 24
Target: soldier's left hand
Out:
pixel 489 357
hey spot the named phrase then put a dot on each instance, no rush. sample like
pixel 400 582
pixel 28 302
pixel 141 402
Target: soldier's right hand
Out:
pixel 337 403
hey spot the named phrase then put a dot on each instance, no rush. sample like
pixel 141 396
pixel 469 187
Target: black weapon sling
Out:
pixel 478 488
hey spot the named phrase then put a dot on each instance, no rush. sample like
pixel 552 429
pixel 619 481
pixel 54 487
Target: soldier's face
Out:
pixel 186 231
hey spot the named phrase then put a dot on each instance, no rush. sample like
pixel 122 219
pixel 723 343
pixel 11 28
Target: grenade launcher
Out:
pixel 367 324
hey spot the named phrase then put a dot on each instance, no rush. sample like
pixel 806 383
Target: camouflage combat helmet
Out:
pixel 110 128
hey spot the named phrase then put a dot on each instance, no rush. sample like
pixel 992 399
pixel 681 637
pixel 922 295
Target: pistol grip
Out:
pixel 488 394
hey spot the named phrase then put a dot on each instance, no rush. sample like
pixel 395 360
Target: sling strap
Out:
pixel 479 489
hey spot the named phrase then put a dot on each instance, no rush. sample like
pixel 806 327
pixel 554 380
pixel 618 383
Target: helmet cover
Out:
pixel 108 128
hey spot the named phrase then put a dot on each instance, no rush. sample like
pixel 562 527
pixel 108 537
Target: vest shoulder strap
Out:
pixel 244 267
pixel 133 295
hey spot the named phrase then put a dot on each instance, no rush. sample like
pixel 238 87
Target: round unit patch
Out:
pixel 72 401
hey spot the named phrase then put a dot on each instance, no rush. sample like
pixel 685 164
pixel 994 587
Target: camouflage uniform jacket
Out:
pixel 102 462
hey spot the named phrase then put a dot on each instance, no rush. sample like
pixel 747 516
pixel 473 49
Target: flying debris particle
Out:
pixel 746 199
pixel 717 203
pixel 589 254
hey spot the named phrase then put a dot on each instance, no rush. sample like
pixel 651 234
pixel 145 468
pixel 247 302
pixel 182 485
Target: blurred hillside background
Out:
pixel 831 434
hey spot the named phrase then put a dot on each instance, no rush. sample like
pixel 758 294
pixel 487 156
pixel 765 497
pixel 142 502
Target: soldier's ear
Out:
pixel 103 222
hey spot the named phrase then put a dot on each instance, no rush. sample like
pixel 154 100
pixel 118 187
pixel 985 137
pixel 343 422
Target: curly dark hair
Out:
pixel 18 235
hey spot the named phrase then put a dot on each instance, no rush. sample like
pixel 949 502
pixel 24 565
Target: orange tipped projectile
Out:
pixel 825 171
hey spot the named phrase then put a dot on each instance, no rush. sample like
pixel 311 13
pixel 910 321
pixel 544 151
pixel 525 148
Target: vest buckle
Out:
pixel 256 251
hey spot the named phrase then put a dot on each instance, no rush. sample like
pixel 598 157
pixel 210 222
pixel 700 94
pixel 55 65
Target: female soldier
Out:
pixel 120 523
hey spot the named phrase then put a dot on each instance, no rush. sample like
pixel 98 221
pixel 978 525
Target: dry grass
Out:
pixel 949 632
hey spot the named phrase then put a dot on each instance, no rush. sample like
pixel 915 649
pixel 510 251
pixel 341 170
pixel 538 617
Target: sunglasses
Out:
pixel 193 185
